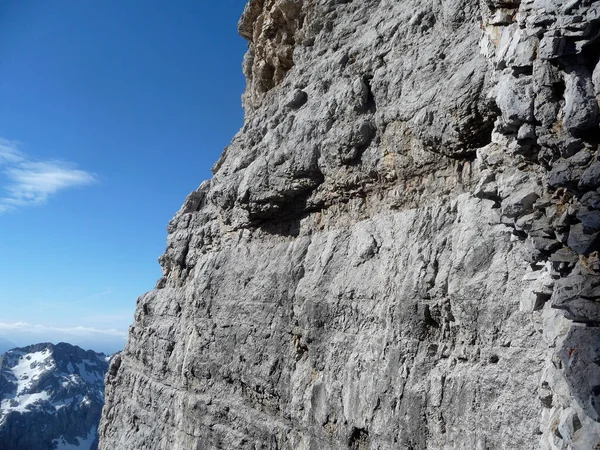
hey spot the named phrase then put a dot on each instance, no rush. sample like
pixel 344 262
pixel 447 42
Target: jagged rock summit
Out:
pixel 399 250
pixel 51 397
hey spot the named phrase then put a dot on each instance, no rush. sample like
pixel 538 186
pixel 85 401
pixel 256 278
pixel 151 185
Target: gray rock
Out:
pixel 384 265
pixel 565 174
pixel 516 48
pixel 581 158
pixel 526 132
pixel 578 296
pixel 581 106
pixel 590 179
pixel 554 47
pixel 580 354
pixel 546 107
pixel 591 199
pixel 544 244
pixel 590 218
pixel 515 100
pixel 297 99
pixel 596 80
pixel 519 202
pixel 583 240
pixel 565 254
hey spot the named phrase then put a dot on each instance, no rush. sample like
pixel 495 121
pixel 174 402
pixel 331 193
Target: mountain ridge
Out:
pixel 51 397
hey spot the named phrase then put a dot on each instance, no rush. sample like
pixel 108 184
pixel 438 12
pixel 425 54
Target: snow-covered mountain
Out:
pixel 51 397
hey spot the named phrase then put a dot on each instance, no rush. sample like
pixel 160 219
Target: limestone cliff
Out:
pixel 399 250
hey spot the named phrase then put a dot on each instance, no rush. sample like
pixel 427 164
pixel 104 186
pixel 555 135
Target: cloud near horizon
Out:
pixel 24 333
pixel 28 182
pixel 76 331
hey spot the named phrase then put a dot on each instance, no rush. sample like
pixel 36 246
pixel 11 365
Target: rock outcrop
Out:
pixel 51 397
pixel 399 250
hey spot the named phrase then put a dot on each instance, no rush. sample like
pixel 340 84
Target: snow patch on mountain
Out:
pixel 22 403
pixel 51 395
pixel 30 367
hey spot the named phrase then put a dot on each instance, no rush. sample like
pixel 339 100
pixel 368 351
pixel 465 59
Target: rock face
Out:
pixel 399 250
pixel 51 397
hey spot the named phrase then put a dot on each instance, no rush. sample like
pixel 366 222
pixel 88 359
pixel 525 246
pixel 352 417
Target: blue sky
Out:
pixel 111 112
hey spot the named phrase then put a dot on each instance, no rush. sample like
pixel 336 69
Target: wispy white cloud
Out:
pixel 29 182
pixel 22 333
pixel 19 327
pixel 100 294
pixel 9 152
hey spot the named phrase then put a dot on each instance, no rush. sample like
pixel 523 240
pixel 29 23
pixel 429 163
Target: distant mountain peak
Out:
pixel 51 397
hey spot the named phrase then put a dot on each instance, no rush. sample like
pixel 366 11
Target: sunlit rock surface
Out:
pixel 399 250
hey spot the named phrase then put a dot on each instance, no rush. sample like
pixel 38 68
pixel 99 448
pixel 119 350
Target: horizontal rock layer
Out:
pixel 398 250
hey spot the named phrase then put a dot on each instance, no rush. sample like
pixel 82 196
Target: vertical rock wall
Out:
pixel 399 250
